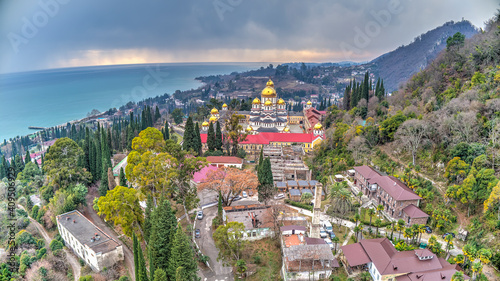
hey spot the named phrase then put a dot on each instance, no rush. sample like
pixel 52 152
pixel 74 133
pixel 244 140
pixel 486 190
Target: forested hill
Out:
pixel 399 65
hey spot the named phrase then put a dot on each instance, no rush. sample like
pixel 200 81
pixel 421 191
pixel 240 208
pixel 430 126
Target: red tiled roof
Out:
pixel 224 159
pixel 355 254
pixel 267 138
pixel 414 212
pixel 366 172
pixel 395 188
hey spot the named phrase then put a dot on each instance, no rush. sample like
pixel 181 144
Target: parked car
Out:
pixel 279 196
pixel 329 242
pixel 237 198
pixel 244 194
pixel 448 233
pixel 197 233
pixel 322 233
pixel 428 229
pixel 332 235
pixel 327 226
pixel 199 215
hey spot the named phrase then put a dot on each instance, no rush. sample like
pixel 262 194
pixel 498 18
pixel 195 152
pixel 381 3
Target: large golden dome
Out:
pixel 318 126
pixel 214 111
pixel 256 101
pixel 269 91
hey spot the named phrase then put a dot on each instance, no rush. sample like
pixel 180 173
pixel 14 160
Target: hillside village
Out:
pixel 356 185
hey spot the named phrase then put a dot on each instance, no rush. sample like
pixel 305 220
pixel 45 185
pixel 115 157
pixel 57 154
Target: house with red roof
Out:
pixel 399 201
pixel 384 262
pixel 225 161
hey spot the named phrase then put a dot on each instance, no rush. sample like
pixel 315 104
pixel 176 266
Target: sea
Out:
pixel 52 97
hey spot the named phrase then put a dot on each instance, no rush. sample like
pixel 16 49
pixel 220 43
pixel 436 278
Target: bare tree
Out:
pixel 357 146
pixel 465 127
pixel 494 140
pixel 412 133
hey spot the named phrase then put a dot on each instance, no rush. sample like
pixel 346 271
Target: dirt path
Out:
pixel 72 260
pixel 90 214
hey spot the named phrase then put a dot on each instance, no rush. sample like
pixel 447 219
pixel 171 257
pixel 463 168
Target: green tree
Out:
pixel 60 164
pixel 218 136
pixel 266 187
pixel 160 243
pixel 166 134
pixel 147 217
pixel 177 115
pixel 143 273
pixel 136 256
pixel 182 256
pixel 229 240
pixel 211 141
pixel 456 170
pixel 121 205
pixel 197 138
pixel 457 39
pixel 189 136
pixel 123 179
pixel 160 275
pixel 233 133
pixel 371 213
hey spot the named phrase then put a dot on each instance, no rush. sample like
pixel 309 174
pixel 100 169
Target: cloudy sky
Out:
pixel 66 33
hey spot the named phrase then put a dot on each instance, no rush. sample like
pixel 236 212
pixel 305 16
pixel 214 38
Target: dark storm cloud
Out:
pixel 183 29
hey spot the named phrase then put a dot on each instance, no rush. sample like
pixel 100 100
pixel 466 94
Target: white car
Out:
pixel 244 194
pixel 199 215
pixel 329 242
pixel 322 233
pixel 279 196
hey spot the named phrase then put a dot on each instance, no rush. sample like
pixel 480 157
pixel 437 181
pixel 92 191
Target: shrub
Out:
pixel 123 278
pixel 34 211
pixel 86 278
pixel 299 205
pixel 56 245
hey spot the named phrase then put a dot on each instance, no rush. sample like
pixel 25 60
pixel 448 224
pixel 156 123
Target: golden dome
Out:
pixel 269 90
pixel 281 101
pixel 309 103
pixel 214 111
pixel 256 101
pixel 318 126
pixel 249 128
pixel 212 119
pixel 204 124
pixel 270 83
pixel 286 129
pixel 268 103
pixel 224 105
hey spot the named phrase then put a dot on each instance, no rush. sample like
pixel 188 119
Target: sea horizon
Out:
pixel 51 97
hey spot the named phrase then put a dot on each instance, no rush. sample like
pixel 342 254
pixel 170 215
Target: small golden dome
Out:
pixel 204 124
pixel 224 105
pixel 268 103
pixel 318 126
pixel 256 101
pixel 270 83
pixel 249 128
pixel 214 111
pixel 309 103
pixel 286 129
pixel 281 101
pixel 212 119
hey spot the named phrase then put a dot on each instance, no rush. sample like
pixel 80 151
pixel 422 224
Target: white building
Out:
pixel 88 241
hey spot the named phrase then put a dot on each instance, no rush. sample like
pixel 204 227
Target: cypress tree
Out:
pixel 3 174
pixel 157 114
pixel 147 218
pixel 123 179
pixel 136 256
pixel 27 158
pixel 111 179
pixel 182 257
pixel 197 138
pixel 377 88
pixel 218 137
pixel 188 135
pixel 166 135
pixel 143 273
pixel 211 141
pixel 163 227
pixel 382 89
pixel 103 188
pixel 266 187
pixel 98 158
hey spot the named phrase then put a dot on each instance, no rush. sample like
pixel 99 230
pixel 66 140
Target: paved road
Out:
pixel 207 246
pixel 90 214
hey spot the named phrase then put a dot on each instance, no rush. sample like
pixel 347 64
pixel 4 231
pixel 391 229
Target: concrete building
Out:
pixel 384 262
pixel 399 201
pixel 257 219
pixel 88 242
